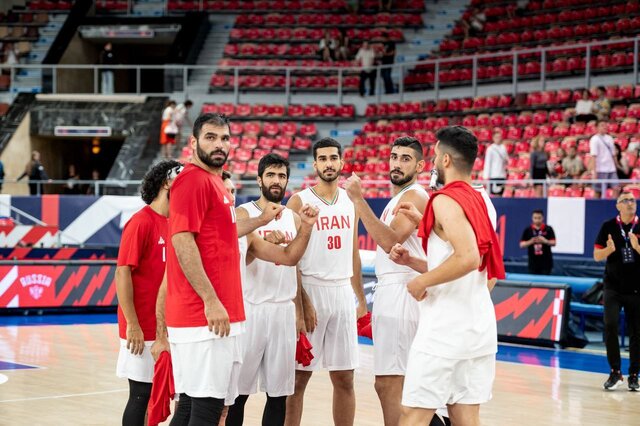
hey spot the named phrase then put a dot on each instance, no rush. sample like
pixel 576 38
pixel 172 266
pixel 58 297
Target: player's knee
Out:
pixel 342 380
pixel 385 385
pixel 302 378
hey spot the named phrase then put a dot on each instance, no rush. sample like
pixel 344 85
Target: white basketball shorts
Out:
pixel 135 367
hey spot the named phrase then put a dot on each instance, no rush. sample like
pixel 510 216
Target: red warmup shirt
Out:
pixel 143 249
pixel 200 204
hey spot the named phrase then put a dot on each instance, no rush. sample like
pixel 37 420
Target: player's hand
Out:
pixel 417 289
pixel 310 318
pixel 271 211
pixel 610 244
pixel 400 255
pixel 633 239
pixel 353 186
pixel 223 416
pixel 135 339
pixel 410 211
pixel 217 318
pixel 309 214
pixel 160 345
pixel 276 237
pixel 361 309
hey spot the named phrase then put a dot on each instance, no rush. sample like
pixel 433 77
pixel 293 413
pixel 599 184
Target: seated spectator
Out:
pixel 343 50
pixel 572 164
pixel 555 164
pixel 474 23
pixel 538 160
pixel 385 5
pixel 584 108
pixel 327 47
pixel 602 106
pixel 622 165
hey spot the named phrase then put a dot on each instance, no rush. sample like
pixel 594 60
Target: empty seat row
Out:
pixel 257 5
pixel 255 128
pixel 308 34
pixel 317 83
pixel 322 19
pixel 281 111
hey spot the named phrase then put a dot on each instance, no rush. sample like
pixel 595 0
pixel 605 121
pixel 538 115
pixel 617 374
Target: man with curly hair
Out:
pixel 141 266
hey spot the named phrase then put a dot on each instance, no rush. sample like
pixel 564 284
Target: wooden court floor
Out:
pixel 75 384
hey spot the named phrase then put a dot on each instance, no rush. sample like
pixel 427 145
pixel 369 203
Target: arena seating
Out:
pixel 112 6
pixel 549 23
pixel 50 5
pixel 536 114
pixel 309 112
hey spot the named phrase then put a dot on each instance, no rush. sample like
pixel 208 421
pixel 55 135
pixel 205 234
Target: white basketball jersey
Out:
pixel 266 281
pixel 493 215
pixel 457 319
pixel 329 255
pixel 386 268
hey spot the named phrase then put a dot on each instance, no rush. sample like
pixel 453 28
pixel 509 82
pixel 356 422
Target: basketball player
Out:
pixel 452 358
pixel 204 307
pixel 141 265
pixel 269 291
pixel 395 312
pixel 330 275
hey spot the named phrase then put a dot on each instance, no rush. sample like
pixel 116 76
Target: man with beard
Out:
pixel 330 274
pixel 204 307
pixel 141 265
pixel 395 312
pixel 269 289
pixel 452 358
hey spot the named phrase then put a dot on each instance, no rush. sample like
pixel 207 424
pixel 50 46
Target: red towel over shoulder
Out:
pixel 475 209
pixel 162 390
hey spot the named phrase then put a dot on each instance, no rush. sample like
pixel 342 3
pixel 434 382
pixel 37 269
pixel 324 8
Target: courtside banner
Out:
pixel 528 311
pixel 57 284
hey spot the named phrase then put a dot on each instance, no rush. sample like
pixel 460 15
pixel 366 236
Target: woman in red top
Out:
pixel 141 267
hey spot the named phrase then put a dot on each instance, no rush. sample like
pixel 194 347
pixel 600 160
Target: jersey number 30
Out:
pixel 334 243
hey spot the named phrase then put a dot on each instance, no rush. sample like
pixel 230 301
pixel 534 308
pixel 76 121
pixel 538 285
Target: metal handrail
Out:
pixel 400 67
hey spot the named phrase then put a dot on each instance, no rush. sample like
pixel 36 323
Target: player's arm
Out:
pixel 308 311
pixel 401 256
pixel 190 262
pixel 356 279
pixel 400 228
pixel 492 283
pixel 460 234
pixel 525 241
pixel 300 318
pixel 246 224
pixel 124 290
pixel 161 343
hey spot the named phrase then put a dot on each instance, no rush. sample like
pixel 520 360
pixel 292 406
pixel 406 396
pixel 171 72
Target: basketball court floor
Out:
pixel 60 370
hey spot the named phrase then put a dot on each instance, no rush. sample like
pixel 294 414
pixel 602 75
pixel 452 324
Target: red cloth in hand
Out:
pixel 303 350
pixel 475 209
pixel 162 390
pixel 364 326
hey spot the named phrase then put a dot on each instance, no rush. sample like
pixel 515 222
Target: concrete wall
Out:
pixel 15 157
pixel 77 81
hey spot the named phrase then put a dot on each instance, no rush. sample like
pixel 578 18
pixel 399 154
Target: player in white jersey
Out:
pixel 395 313
pixel 452 359
pixel 330 273
pixel 269 289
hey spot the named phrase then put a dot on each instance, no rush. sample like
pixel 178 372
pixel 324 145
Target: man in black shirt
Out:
pixel 538 238
pixel 388 58
pixel 617 242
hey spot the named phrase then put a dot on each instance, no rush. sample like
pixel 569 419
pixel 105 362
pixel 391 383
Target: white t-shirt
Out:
pixel 366 58
pixel 167 113
pixel 584 107
pixel 457 319
pixel 387 269
pixel 495 162
pixel 602 148
pixel 179 114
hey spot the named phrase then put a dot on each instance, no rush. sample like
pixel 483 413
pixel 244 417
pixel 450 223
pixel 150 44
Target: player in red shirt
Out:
pixel 141 265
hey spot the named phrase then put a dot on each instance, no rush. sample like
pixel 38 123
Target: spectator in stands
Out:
pixel 538 168
pixel 10 55
pixel 572 164
pixel 617 243
pixel 327 47
pixel 72 178
pixel 474 23
pixel 343 50
pixel 623 171
pixel 584 109
pixel 106 74
pixel 365 57
pixel 388 58
pixel 602 106
pixel 167 118
pixel 495 163
pixel 91 188
pixel 602 164
pixel 181 116
pixel 385 5
pixel 35 171
pixel 538 239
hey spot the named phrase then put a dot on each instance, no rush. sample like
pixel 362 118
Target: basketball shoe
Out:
pixel 615 379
